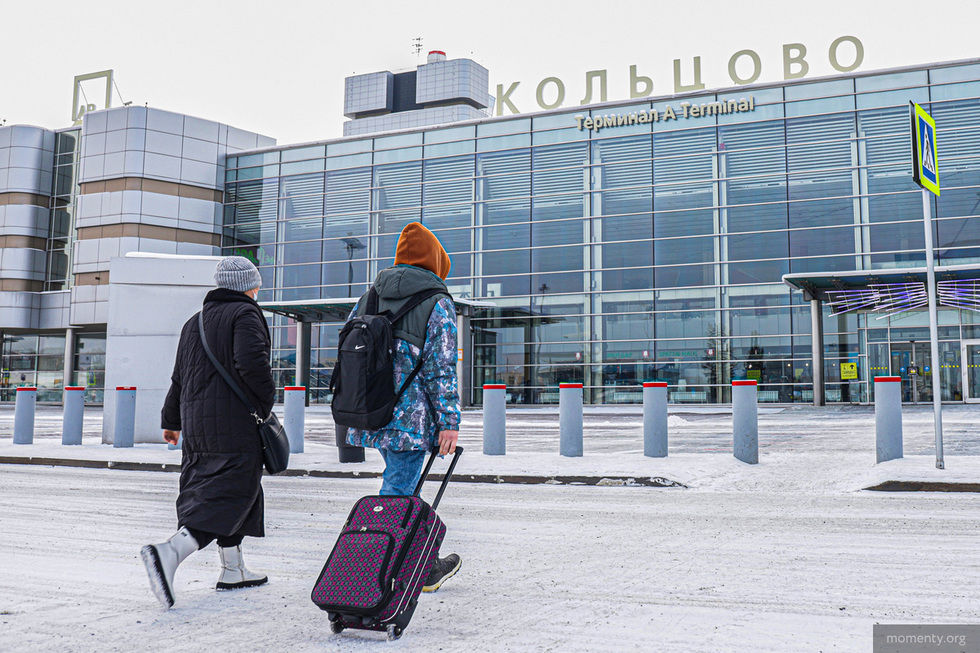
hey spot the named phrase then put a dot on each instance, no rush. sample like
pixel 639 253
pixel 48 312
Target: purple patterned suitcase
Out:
pixel 374 575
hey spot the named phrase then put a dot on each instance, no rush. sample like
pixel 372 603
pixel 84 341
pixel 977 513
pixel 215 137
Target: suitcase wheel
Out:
pixel 336 625
pixel 394 632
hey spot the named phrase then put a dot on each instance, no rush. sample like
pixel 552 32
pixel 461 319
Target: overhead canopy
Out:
pixel 313 310
pixel 815 285
pixel 337 310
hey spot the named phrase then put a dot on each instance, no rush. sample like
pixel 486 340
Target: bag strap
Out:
pixel 371 303
pixel 416 299
pixel 224 373
pixel 409 378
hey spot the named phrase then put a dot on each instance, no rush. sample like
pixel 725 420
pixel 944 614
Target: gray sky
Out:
pixel 278 68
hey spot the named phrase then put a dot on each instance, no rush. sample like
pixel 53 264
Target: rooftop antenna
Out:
pixel 417 45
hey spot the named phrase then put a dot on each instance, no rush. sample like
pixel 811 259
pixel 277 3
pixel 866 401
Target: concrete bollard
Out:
pixel 74 406
pixel 494 419
pixel 125 427
pixel 888 417
pixel 294 416
pixel 24 415
pixel 745 420
pixel 655 419
pixel 570 419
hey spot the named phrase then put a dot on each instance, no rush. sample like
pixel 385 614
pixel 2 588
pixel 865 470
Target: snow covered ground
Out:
pixel 788 555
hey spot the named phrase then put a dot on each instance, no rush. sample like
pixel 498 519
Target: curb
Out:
pixel 90 464
pixel 594 481
pixel 588 481
pixel 924 486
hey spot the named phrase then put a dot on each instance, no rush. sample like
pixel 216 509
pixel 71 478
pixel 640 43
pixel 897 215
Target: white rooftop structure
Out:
pixel 437 92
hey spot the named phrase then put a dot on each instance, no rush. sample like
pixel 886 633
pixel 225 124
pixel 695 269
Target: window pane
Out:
pixel 685 275
pixel 683 223
pixel 757 272
pixel 683 156
pixel 821 213
pixel 757 246
pixel 684 250
pixel 821 242
pixel 303 252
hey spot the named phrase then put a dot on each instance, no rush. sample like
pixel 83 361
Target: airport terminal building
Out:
pixel 695 238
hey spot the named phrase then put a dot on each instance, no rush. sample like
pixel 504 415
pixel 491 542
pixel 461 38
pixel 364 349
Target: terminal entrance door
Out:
pixel 911 360
pixel 970 357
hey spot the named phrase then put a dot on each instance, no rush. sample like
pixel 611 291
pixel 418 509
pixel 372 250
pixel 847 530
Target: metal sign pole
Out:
pixel 937 400
pixel 925 173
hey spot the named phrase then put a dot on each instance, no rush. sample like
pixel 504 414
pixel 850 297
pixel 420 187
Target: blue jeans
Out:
pixel 402 471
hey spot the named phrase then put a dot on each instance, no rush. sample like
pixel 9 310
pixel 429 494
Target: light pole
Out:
pixel 353 244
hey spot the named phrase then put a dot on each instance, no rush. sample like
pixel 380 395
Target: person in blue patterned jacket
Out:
pixel 426 416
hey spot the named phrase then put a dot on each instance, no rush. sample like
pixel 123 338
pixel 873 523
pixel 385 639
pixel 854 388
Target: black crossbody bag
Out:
pixel 275 444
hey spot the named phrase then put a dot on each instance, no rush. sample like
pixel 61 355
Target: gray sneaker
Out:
pixel 442 569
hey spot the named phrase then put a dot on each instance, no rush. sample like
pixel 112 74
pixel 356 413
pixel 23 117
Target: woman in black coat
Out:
pixel 220 480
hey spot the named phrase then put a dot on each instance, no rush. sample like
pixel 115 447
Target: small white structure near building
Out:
pixel 151 296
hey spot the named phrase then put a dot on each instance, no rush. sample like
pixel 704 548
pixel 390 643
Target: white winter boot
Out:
pixel 233 571
pixel 161 562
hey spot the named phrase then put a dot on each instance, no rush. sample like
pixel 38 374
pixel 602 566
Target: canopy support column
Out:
pixel 304 331
pixel 816 332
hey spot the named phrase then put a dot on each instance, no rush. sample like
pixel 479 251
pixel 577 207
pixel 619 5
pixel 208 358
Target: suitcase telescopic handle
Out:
pixel 445 479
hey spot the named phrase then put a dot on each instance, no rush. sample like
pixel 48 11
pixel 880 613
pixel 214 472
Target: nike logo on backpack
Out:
pixel 359 346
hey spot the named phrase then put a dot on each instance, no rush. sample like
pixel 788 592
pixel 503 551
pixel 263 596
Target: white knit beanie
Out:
pixel 237 273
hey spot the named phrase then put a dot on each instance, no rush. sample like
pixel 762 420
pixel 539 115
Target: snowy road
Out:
pixel 546 568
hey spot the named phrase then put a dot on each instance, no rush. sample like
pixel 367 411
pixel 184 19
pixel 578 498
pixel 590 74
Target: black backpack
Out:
pixel 362 382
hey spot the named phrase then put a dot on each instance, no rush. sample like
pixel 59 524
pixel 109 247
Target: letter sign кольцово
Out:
pixel 745 66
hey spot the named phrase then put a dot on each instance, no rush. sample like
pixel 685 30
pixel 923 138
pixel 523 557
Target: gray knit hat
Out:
pixel 237 273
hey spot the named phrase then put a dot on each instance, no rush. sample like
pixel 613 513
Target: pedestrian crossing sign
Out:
pixel 925 161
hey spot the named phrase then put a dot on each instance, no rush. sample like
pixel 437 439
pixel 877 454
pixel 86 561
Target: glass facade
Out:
pixel 33 360
pixel 89 367
pixel 38 359
pixel 61 231
pixel 648 251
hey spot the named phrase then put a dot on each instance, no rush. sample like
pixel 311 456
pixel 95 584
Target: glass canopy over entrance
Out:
pixel 899 297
